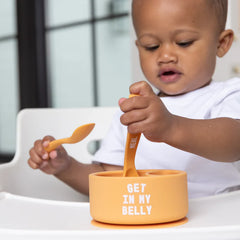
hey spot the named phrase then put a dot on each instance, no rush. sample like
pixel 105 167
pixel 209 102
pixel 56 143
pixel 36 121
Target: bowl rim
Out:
pixel 146 173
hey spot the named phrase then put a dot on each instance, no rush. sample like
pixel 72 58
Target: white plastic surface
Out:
pixel 32 217
pixel 216 217
pixel 18 178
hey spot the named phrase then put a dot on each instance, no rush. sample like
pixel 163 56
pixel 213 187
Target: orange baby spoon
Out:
pixel 79 134
pixel 129 169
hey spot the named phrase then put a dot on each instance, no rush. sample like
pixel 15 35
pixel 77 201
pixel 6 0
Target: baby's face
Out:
pixel 177 42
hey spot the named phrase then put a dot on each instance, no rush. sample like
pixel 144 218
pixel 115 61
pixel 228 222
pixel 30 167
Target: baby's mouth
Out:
pixel 169 75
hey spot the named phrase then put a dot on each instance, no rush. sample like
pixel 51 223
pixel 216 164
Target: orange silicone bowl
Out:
pixel 156 196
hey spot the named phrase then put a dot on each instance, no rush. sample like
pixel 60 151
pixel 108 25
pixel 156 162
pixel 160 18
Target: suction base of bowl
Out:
pixel 145 226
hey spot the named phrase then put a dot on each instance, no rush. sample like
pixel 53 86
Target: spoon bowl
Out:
pixel 79 134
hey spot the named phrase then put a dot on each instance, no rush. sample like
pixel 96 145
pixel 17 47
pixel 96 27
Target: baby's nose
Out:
pixel 166 54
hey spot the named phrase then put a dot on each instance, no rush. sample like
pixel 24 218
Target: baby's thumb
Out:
pixel 141 88
pixel 121 100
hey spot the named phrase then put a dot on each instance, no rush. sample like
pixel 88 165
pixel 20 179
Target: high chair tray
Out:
pixel 24 218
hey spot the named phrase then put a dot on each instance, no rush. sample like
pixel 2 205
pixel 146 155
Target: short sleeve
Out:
pixel 113 145
pixel 229 106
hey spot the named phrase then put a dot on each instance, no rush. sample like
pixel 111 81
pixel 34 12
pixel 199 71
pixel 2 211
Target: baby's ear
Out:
pixel 225 42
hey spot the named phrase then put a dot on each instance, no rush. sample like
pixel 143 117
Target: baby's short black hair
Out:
pixel 221 8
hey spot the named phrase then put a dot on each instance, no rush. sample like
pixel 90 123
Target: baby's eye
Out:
pixel 151 48
pixel 185 44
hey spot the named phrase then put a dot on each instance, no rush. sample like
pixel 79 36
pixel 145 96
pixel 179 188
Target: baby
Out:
pixel 192 124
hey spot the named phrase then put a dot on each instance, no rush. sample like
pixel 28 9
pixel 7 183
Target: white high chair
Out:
pixel 17 177
pixel 28 205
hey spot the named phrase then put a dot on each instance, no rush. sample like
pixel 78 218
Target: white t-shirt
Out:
pixel 205 177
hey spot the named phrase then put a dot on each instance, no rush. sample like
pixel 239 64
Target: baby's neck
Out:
pixel 162 94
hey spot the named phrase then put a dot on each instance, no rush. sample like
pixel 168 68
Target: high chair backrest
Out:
pixel 18 178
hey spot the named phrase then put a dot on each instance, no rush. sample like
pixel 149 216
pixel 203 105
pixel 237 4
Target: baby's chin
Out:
pixel 171 93
pixel 178 92
pixel 171 90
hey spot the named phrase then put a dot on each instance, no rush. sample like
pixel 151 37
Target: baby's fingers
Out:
pixel 33 164
pixel 35 160
pixel 141 88
pixel 39 148
pixel 38 154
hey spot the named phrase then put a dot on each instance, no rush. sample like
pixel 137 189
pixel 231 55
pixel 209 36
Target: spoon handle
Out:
pixel 129 169
pixel 55 143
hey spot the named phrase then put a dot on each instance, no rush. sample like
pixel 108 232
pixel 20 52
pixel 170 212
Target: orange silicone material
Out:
pixel 79 134
pixel 129 169
pixel 145 226
pixel 130 152
pixel 156 196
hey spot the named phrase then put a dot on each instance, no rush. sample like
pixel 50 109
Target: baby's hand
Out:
pixel 51 163
pixel 146 113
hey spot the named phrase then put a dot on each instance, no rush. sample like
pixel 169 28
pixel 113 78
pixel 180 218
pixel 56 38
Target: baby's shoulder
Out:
pixel 230 85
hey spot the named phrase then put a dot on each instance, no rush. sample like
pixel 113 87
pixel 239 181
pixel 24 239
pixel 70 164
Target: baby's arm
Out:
pixel 216 139
pixel 63 166
pixel 77 174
